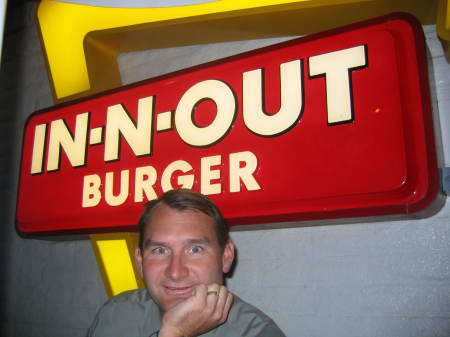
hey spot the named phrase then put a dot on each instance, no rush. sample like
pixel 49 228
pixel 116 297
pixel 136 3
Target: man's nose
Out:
pixel 177 269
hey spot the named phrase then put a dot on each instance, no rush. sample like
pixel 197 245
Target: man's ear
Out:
pixel 228 256
pixel 138 259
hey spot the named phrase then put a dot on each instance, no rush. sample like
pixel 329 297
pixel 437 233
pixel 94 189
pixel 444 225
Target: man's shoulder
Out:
pixel 131 296
pixel 130 303
pixel 248 320
pixel 131 313
pixel 243 309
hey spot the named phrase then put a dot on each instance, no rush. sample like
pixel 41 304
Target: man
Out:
pixel 184 251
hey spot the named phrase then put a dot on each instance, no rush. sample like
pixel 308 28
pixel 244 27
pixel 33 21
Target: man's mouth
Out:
pixel 179 291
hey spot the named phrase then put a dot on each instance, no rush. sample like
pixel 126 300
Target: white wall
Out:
pixel 370 279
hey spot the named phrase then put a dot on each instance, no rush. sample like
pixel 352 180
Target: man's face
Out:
pixel 180 251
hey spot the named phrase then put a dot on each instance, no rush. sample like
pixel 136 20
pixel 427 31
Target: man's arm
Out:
pixel 271 330
pixel 206 309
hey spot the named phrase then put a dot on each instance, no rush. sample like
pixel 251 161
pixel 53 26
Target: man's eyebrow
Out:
pixel 150 242
pixel 203 240
pixel 199 241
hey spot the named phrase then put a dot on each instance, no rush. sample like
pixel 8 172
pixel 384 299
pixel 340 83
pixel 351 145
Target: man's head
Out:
pixel 183 242
pixel 182 200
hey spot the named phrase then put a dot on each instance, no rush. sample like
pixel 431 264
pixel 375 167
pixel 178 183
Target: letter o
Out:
pixel 222 95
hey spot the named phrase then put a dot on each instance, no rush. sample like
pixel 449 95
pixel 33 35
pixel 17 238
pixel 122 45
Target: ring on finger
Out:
pixel 215 292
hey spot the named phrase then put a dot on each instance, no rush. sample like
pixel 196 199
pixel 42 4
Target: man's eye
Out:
pixel 196 249
pixel 159 250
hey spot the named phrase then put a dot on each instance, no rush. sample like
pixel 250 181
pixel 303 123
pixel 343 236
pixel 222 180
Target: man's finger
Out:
pixel 222 299
pixel 213 292
pixel 212 296
pixel 199 293
pixel 227 307
pixel 213 289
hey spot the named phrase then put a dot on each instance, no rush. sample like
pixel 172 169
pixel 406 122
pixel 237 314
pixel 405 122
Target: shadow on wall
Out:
pixel 11 121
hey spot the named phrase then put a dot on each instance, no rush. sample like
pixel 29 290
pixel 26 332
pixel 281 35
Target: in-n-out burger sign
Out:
pixel 332 125
pixel 139 133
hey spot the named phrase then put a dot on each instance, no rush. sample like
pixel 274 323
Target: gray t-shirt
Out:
pixel 134 314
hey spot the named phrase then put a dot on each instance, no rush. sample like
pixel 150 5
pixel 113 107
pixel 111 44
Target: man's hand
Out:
pixel 206 309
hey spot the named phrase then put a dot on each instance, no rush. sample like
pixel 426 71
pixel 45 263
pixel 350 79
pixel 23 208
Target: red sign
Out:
pixel 332 125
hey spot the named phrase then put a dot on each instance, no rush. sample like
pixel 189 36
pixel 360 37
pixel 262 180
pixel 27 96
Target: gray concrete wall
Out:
pixel 389 279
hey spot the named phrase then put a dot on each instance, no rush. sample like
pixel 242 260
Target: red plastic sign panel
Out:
pixel 332 125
